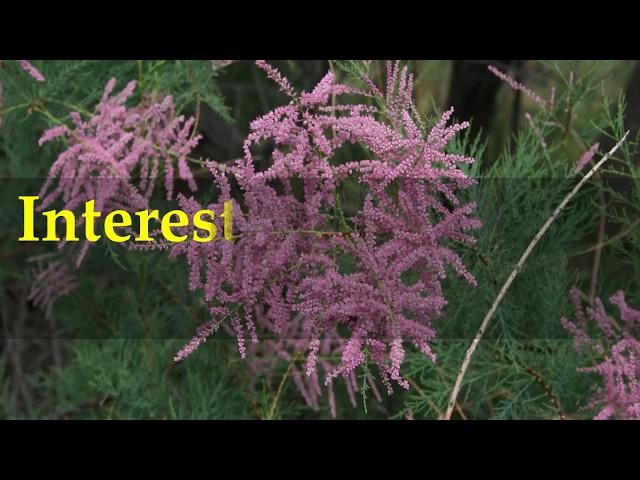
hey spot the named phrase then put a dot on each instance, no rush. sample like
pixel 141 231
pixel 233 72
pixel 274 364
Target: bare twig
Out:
pixel 611 240
pixel 547 391
pixel 541 381
pixel 503 291
pixel 423 395
pixel 274 404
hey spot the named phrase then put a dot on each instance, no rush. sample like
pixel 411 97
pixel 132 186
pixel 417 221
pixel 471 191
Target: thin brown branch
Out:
pixel 274 404
pixel 611 240
pixel 547 390
pixel 503 291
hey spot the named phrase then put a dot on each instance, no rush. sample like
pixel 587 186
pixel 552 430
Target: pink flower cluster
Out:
pixel 284 274
pixel 586 157
pixel 618 395
pixel 515 85
pixel 51 280
pixel 114 157
pixel 31 70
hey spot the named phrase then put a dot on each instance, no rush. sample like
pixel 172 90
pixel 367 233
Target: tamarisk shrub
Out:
pixel 114 156
pixel 618 394
pixel 283 276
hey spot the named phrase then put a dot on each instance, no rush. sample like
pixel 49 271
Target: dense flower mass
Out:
pixel 114 156
pixel 300 269
pixel 618 394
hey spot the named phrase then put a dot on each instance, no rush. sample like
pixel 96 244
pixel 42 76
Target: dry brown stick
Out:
pixel 547 390
pixel 545 386
pixel 609 241
pixel 421 393
pixel 503 291
pixel 274 404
